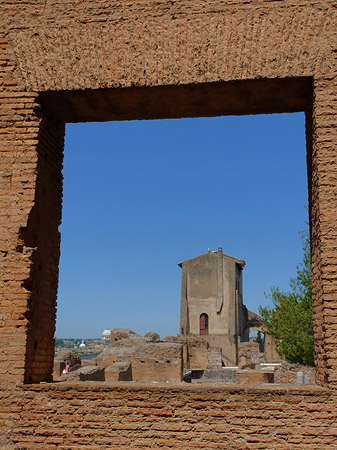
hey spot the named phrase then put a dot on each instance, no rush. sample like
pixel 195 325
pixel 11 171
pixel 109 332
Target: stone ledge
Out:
pixel 139 386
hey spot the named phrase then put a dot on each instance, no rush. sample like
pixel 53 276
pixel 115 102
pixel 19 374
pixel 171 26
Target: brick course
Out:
pixel 115 60
pixel 92 416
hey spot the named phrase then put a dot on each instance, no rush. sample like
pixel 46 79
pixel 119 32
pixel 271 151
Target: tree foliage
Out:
pixel 59 343
pixel 289 321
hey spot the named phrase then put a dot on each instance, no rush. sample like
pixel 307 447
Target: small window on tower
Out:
pixel 203 323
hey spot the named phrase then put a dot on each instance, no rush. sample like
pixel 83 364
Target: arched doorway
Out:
pixel 203 323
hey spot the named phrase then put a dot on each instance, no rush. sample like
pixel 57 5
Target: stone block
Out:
pixel 120 371
pixel 248 355
pixel 224 375
pixel 214 360
pixel 254 377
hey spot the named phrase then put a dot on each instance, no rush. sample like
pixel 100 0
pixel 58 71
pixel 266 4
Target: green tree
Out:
pixel 289 321
pixel 59 342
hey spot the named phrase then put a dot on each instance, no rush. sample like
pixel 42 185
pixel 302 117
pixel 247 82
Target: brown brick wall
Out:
pixel 31 147
pixel 150 369
pixel 94 417
pixel 141 43
pixel 42 236
pixel 115 60
pixel 18 159
pixel 158 362
pixel 47 48
pixel 324 227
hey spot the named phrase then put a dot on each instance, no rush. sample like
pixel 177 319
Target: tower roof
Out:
pixel 238 261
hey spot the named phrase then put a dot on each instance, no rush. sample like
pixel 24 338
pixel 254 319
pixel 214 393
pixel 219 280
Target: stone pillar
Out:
pixel 270 353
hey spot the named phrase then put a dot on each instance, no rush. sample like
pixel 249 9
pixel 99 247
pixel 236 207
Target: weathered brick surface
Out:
pixel 324 226
pixel 141 43
pixel 114 60
pixel 31 188
pixel 92 416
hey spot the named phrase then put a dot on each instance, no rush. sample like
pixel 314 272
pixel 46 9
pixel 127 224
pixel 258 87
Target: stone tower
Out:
pixel 211 302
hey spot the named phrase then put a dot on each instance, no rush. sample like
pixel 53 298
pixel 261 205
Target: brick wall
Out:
pixel 144 44
pixel 323 212
pixel 41 235
pixel 97 417
pixel 31 146
pixel 115 60
pixel 18 138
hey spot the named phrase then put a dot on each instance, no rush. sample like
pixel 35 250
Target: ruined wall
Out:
pixel 31 146
pixel 196 353
pixel 98 417
pixel 286 373
pixel 228 345
pixel 161 370
pixel 158 362
pixel 323 227
pixel 114 60
pixel 149 361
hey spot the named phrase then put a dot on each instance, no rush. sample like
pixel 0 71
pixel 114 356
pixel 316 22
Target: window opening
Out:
pixel 105 246
pixel 203 323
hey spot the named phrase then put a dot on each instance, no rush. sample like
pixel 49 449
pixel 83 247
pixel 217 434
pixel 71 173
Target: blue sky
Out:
pixel 141 196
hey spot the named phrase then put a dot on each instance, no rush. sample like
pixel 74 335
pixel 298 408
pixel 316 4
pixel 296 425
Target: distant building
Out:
pixel 106 336
pixel 211 302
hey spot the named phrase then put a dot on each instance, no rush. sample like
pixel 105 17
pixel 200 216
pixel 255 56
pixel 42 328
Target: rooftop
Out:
pixel 241 262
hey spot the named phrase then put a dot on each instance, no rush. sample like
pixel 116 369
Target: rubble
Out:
pixel 152 337
pixel 86 373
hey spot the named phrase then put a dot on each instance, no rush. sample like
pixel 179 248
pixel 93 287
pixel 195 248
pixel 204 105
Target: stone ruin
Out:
pixel 77 371
pixel 131 357
pixel 64 358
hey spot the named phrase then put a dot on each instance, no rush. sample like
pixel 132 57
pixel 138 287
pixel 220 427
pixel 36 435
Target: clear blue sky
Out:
pixel 141 196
